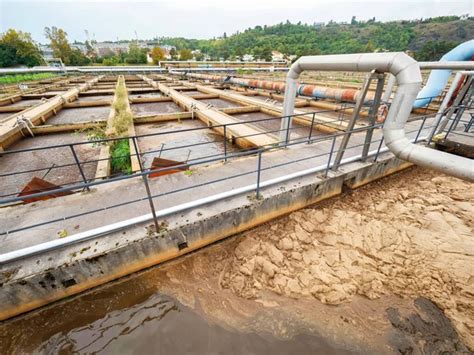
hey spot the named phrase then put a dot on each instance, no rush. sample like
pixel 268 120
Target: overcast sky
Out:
pixel 109 20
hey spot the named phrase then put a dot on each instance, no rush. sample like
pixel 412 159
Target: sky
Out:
pixel 112 19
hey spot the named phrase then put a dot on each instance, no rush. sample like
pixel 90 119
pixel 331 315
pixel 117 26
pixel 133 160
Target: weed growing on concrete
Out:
pixel 63 233
pixel 123 115
pixel 120 154
pixel 120 150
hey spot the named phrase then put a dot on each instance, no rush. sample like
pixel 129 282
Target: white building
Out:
pixel 46 51
pixel 81 47
pixel 277 56
pixel 247 57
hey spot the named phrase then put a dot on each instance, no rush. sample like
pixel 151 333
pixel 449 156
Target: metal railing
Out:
pixel 225 127
pixel 144 173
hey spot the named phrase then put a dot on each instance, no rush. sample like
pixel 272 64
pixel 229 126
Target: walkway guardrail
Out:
pixel 259 153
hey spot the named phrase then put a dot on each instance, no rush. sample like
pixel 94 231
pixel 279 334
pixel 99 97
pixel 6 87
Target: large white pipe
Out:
pixel 408 76
pixel 468 65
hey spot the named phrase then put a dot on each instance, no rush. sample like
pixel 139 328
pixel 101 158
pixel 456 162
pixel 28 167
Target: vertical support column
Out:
pixel 76 159
pixel 466 103
pixel 352 121
pixel 333 144
pixel 259 167
pixel 373 115
pixel 285 126
pixel 311 129
pixel 225 142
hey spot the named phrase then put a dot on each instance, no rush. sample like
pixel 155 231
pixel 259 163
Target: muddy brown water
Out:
pixel 131 319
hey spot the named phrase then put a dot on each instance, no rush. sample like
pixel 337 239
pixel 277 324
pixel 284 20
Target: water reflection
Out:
pixel 157 325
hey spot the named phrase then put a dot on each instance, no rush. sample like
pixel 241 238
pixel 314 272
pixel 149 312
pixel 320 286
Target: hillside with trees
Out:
pixel 428 39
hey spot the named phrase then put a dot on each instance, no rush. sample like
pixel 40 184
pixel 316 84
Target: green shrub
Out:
pixel 19 78
pixel 120 149
pixel 123 116
pixel 120 154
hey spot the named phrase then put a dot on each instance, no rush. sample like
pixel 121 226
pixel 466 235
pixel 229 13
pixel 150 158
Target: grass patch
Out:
pixel 123 116
pixel 120 149
pixel 120 154
pixel 19 78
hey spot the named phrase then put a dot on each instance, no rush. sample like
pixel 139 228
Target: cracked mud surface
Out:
pixel 411 236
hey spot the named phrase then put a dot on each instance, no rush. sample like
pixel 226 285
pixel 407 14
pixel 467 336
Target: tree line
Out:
pixel 427 39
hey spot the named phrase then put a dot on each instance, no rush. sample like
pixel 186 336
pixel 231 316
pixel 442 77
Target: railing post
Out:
pixel 373 115
pixel 76 159
pixel 147 186
pixel 435 128
pixel 429 103
pixel 288 133
pixel 311 128
pixel 451 127
pixel 259 166
pixel 225 142
pixel 342 112
pixel 330 156
pixel 421 128
pixel 378 149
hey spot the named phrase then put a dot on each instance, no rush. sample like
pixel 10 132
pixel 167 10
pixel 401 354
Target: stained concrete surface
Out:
pixel 95 98
pixel 273 125
pixel 220 103
pixel 151 94
pixel 24 102
pixel 55 92
pixel 155 107
pixel 5 114
pixel 268 99
pixel 74 115
pixel 214 144
pixel 191 93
